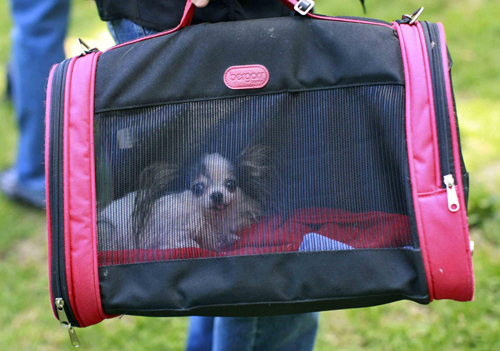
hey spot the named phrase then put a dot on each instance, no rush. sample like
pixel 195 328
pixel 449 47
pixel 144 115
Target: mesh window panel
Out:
pixel 305 171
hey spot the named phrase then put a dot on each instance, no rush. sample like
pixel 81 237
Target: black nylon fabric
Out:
pixel 299 53
pixel 264 285
pixel 165 14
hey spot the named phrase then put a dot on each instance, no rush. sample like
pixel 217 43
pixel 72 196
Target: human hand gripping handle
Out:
pixel 189 9
pixel 200 3
pixel 187 16
pixel 203 3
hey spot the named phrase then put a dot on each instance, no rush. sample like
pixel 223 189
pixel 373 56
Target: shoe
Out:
pixel 10 187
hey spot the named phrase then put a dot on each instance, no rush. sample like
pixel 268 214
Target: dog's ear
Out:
pixel 255 169
pixel 152 182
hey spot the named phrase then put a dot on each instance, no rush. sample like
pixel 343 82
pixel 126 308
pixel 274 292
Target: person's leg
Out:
pixel 123 30
pixel 37 44
pixel 276 333
pixel 200 334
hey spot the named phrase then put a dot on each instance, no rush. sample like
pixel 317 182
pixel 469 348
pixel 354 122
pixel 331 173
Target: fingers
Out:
pixel 200 3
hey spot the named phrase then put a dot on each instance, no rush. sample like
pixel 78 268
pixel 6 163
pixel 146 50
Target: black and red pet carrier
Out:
pixel 262 167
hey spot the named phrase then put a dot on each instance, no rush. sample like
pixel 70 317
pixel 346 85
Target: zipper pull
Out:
pixel 63 319
pixel 453 204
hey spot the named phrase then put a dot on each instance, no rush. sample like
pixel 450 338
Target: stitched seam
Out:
pixel 255 325
pixel 432 106
pixel 333 19
pixel 357 297
pixel 433 193
pixel 322 18
pixel 427 255
pixel 95 273
pixel 249 94
pixel 66 187
pixel 411 161
pixel 456 157
pixel 294 253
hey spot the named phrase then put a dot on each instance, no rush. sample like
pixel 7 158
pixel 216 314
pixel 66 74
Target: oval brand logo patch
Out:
pixel 246 77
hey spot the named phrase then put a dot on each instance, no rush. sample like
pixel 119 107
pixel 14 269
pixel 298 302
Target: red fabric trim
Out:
pixel 465 249
pixel 291 4
pixel 80 192
pixel 312 15
pixel 47 192
pixel 413 82
pixel 442 233
pixel 187 16
pixel 66 189
pixel 432 110
pixel 189 11
pixel 95 278
pixel 447 255
pixel 279 234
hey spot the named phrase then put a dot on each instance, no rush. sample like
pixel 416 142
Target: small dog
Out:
pixel 222 199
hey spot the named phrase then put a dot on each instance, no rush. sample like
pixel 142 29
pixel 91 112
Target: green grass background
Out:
pixel 473 32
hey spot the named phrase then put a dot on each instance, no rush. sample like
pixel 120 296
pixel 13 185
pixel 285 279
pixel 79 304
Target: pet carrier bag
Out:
pixel 252 168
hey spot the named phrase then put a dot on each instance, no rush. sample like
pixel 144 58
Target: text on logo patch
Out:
pixel 246 77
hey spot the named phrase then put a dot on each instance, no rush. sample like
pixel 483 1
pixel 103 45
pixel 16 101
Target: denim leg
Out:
pixel 277 333
pixel 295 332
pixel 200 334
pixel 123 30
pixel 37 44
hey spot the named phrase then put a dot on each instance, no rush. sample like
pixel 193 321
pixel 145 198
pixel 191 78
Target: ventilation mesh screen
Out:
pixel 306 171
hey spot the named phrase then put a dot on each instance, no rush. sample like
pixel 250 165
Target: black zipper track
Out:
pixel 56 191
pixel 431 31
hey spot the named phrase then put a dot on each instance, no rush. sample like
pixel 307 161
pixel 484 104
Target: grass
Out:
pixel 473 32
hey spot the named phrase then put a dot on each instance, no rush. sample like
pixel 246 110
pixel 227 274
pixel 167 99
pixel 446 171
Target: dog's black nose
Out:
pixel 217 198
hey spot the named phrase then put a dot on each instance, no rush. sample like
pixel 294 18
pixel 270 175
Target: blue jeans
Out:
pixel 37 44
pixel 276 333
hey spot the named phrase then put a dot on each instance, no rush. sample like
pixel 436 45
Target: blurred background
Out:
pixel 473 36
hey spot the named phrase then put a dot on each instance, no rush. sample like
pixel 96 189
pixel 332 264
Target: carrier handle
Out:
pixel 301 6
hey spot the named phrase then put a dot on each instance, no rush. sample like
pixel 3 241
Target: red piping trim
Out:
pixel 185 21
pixel 336 19
pixel 97 291
pixel 432 110
pixel 47 192
pixel 456 156
pixel 66 191
pixel 189 12
pixel 409 139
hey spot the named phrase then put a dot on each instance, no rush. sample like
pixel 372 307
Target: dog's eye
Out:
pixel 231 185
pixel 198 189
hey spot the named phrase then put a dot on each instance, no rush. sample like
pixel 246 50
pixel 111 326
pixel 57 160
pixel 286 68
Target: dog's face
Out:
pixel 216 186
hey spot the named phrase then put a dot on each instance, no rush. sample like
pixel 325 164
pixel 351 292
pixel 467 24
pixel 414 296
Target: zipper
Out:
pixel 63 319
pixel 58 274
pixel 445 144
pixel 440 99
pixel 451 192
